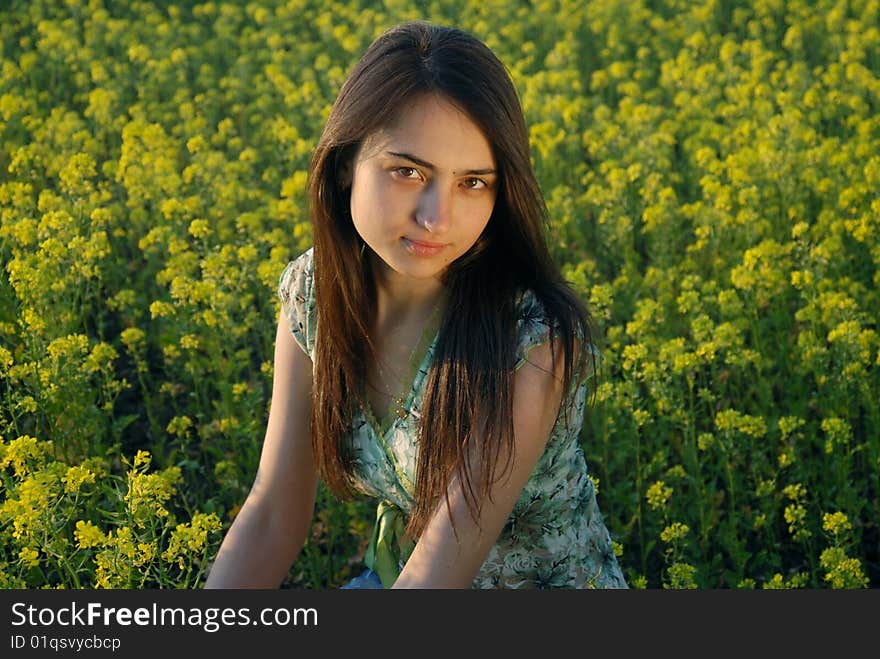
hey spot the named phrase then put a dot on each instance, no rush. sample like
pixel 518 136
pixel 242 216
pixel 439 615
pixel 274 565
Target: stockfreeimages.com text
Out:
pixel 95 614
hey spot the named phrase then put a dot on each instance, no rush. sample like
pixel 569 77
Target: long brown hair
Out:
pixel 468 403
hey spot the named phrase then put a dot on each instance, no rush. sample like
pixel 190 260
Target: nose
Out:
pixel 434 212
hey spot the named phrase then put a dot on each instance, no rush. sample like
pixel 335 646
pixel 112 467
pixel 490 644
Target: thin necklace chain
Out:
pixel 400 399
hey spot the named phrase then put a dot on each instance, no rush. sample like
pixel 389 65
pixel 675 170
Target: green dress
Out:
pixel 555 536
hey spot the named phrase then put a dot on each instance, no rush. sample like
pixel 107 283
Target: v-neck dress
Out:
pixel 555 536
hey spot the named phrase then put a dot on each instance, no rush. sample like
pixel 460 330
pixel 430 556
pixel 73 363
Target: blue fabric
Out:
pixel 366 580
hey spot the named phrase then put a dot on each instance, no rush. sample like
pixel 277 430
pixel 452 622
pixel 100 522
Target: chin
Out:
pixel 406 264
pixel 424 271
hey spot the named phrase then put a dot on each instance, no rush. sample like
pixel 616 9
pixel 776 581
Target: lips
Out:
pixel 423 243
pixel 422 248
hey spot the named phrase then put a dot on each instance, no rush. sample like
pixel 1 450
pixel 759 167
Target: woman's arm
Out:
pixel 439 560
pixel 270 529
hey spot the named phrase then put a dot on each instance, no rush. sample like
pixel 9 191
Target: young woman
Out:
pixel 429 353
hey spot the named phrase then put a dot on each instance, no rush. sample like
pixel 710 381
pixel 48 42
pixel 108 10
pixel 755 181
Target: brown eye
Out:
pixel 407 172
pixel 475 183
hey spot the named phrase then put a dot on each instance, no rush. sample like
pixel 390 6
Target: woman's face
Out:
pixel 422 190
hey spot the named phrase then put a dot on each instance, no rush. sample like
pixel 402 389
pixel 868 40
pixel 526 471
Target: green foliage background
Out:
pixel 711 169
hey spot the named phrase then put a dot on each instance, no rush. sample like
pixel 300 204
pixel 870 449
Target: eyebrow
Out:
pixel 424 163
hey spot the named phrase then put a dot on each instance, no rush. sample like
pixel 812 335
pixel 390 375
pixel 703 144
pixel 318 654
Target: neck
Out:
pixel 402 299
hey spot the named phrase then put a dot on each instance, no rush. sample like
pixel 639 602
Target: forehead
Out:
pixel 434 130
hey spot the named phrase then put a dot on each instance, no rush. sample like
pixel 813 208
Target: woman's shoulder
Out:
pixel 534 325
pixel 296 289
pixel 297 271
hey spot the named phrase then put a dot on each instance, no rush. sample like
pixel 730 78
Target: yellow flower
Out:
pixel 191 538
pixel 146 553
pixel 19 452
pixel 6 359
pixel 87 535
pixel 795 492
pixel 705 441
pixel 196 144
pixel 673 532
pixel 159 309
pixel 72 345
pixel 801 279
pixel 124 541
pixel 76 174
pixel 843 571
pixel 796 514
pixel 101 358
pixel 147 494
pixel 681 576
pixel 247 254
pixel 104 570
pixel 641 417
pixel 762 270
pixel 27 404
pixel 632 355
pixel 837 433
pixel 778 582
pixel 294 187
pixel 133 338
pixel 730 420
pixel 658 495
pixel 179 425
pixel 200 229
pixel 676 471
pixel 138 53
pixel 210 318
pixel 836 523
pixel 142 459
pixel 75 477
pixel 29 557
pixel 788 424
pixel 640 583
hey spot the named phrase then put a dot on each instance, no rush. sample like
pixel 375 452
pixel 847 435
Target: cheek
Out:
pixel 362 200
pixel 370 200
pixel 481 214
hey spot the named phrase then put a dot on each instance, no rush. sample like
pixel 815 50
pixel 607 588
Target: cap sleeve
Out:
pixel 533 329
pixel 296 289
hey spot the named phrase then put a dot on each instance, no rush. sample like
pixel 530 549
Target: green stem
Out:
pixel 639 511
pixel 148 404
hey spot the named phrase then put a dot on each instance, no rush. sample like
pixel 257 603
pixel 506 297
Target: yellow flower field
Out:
pixel 712 172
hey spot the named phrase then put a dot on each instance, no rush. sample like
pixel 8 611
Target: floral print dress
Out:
pixel 555 536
